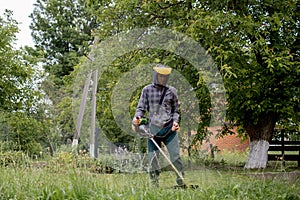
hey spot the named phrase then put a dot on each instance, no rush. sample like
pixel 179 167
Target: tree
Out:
pixel 62 33
pixel 16 73
pixel 254 44
pixel 62 30
pixel 21 123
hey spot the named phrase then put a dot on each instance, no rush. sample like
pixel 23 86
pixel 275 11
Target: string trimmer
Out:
pixel 145 132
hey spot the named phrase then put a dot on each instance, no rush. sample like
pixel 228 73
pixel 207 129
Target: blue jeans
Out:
pixel 170 139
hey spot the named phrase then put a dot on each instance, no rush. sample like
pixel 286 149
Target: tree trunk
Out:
pixel 260 134
pixel 258 155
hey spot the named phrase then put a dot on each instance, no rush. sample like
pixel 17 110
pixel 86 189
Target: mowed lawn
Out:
pixel 51 183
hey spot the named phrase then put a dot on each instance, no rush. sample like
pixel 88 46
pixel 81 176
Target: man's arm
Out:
pixel 142 106
pixel 175 108
pixel 140 110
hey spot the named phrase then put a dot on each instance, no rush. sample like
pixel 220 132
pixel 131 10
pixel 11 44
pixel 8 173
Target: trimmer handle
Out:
pixel 144 131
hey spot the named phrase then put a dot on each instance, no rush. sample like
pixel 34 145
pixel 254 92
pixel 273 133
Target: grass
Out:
pixel 37 183
pixel 63 178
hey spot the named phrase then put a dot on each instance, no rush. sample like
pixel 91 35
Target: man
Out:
pixel 160 102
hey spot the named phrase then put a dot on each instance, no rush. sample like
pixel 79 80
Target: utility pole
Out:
pixel 81 111
pixel 93 113
pixel 82 106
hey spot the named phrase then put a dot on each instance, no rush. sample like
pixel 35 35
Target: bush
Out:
pixel 13 159
pixel 34 149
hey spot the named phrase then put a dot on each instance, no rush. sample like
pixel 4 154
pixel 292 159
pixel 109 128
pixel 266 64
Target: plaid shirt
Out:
pixel 149 102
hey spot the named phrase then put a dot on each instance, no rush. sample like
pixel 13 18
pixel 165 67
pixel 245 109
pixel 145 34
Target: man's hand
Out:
pixel 175 126
pixel 136 120
pixel 135 123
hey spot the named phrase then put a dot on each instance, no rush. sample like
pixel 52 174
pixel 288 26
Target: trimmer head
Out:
pixel 186 186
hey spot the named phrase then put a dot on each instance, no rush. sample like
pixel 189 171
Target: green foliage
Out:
pixel 62 30
pixel 17 73
pixel 254 45
pixel 62 34
pixel 64 118
pixel 254 49
pixel 13 159
pixel 21 122
pixel 24 132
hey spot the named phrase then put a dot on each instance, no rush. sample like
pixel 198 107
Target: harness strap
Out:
pixel 162 98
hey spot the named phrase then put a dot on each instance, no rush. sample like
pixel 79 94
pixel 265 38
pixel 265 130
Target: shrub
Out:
pixel 13 159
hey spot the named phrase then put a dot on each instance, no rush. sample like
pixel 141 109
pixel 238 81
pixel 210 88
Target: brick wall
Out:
pixel 228 142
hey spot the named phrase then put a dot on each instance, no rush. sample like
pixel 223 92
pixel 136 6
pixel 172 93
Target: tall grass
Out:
pixel 42 183
pixel 68 176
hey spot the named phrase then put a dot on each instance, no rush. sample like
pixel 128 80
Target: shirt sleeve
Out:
pixel 143 104
pixel 175 106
